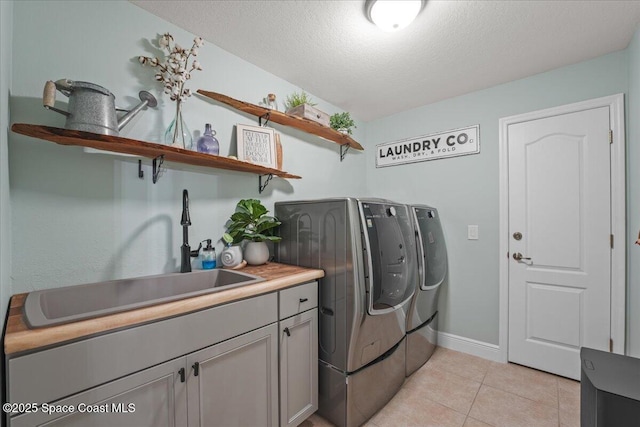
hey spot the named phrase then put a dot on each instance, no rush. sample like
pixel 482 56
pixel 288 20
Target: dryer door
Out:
pixel 432 249
pixel 390 255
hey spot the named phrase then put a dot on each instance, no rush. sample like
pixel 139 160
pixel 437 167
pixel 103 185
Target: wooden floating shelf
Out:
pixel 279 117
pixel 144 149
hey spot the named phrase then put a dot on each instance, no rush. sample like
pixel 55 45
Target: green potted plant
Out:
pixel 296 99
pixel 250 222
pixel 300 104
pixel 342 122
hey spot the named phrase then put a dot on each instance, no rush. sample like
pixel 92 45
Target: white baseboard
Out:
pixel 470 346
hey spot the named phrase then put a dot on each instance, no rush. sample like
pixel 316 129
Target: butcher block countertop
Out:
pixel 19 337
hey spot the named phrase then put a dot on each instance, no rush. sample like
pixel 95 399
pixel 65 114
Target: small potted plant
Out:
pixel 296 99
pixel 342 122
pixel 250 222
pixel 300 104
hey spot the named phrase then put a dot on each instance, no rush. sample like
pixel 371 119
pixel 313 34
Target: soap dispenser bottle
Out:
pixel 208 256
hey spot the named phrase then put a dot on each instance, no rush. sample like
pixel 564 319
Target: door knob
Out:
pixel 517 235
pixel 518 257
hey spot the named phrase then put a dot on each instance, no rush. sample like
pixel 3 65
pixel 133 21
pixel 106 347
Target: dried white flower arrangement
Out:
pixel 175 70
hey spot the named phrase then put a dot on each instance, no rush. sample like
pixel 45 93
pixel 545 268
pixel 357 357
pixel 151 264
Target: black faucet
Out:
pixel 185 250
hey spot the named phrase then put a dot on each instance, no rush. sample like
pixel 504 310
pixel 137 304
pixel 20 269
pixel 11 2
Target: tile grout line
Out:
pixel 522 397
pixel 463 378
pixel 478 392
pixel 474 401
pixel 532 400
pixel 481 382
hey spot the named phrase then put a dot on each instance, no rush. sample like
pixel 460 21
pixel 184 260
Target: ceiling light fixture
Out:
pixel 392 15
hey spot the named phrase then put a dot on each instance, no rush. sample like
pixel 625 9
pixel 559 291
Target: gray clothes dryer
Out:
pixel 367 249
pixel 422 317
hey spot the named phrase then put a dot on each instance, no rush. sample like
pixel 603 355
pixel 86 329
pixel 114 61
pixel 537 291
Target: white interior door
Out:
pixel 559 202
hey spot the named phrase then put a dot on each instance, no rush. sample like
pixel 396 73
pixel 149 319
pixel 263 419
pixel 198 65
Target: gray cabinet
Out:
pixel 155 397
pixel 298 354
pixel 130 367
pixel 52 374
pixel 235 383
pixel 230 365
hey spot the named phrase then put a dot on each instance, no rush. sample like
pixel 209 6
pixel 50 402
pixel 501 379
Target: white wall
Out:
pixel 81 217
pixel 465 189
pixel 633 199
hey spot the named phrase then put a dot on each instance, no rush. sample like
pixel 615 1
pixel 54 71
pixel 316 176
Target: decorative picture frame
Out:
pixel 256 144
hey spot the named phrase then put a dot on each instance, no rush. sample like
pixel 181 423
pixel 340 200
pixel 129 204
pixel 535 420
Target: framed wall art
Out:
pixel 257 145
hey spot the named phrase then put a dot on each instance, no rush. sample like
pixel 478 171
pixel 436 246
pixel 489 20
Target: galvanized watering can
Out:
pixel 92 107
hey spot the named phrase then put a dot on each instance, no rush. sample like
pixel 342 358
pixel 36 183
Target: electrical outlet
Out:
pixel 472 232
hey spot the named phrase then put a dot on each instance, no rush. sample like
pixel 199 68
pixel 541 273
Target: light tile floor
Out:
pixel 455 389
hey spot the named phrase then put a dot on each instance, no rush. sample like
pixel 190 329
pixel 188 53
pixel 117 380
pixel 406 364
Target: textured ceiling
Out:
pixel 330 49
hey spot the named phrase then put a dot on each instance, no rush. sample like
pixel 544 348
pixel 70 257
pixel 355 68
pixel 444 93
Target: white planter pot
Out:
pixel 231 256
pixel 256 253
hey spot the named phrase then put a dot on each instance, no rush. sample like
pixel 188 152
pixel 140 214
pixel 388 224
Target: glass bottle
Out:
pixel 207 143
pixel 177 134
pixel 271 101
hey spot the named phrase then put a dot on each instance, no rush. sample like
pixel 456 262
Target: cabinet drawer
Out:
pixel 298 299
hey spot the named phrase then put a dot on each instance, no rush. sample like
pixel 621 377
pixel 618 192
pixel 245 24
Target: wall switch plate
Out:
pixel 472 232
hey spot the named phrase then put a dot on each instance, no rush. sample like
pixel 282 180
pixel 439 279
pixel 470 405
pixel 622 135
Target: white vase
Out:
pixel 256 253
pixel 231 256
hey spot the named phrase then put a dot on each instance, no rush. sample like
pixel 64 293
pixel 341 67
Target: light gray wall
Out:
pixel 633 199
pixel 6 15
pixel 81 217
pixel 465 189
pixel 6 20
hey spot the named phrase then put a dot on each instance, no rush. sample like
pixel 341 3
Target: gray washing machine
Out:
pixel 368 251
pixel 422 317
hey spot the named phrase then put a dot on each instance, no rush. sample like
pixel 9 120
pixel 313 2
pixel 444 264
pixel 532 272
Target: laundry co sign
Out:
pixel 458 142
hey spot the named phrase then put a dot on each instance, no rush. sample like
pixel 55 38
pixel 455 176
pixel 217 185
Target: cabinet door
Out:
pixel 235 383
pixel 153 397
pixel 298 367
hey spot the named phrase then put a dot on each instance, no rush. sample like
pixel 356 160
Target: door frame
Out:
pixel 618 214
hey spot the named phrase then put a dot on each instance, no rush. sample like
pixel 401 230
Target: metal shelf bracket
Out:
pixel 343 151
pixel 157 168
pixel 262 186
pixel 266 116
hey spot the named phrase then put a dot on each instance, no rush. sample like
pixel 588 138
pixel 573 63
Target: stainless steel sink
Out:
pixel 71 303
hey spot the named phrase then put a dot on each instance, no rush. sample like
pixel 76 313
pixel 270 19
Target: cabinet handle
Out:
pixel 196 369
pixel 303 300
pixel 286 331
pixel 181 372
